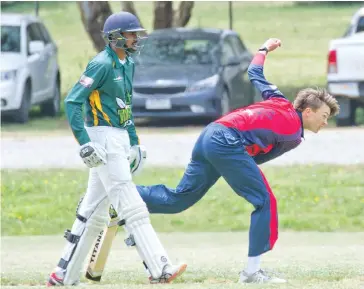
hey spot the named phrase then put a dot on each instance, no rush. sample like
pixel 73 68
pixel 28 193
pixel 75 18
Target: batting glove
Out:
pixel 93 154
pixel 138 156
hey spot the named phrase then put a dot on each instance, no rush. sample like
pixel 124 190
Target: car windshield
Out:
pixel 360 27
pixel 178 51
pixel 10 38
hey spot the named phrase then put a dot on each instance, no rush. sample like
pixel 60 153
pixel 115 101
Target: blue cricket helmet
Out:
pixel 118 23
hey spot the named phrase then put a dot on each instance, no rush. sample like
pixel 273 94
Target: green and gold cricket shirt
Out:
pixel 105 90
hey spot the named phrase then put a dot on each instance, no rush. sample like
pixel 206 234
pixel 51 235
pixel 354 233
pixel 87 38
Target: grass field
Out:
pixel 308 260
pixel 310 198
pixel 301 61
pixel 40 125
pixel 305 32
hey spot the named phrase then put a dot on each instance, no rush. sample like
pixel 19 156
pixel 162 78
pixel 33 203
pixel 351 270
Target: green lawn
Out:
pixel 305 32
pixel 40 125
pixel 308 260
pixel 310 198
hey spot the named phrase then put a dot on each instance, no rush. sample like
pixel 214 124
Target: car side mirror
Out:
pixel 36 46
pixel 232 61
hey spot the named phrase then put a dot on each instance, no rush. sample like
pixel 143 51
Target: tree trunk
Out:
pixel 163 14
pixel 128 6
pixel 183 14
pixel 94 15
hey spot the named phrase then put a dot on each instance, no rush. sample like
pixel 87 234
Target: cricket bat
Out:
pixel 101 249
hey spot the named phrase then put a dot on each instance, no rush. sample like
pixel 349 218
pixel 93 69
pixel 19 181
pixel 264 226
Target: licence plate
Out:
pixel 158 104
pixel 350 89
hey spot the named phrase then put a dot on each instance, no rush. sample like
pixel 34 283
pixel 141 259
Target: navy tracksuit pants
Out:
pixel 219 152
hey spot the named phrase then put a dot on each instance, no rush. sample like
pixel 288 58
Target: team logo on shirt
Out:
pixel 249 112
pixel 125 115
pixel 120 103
pixel 125 110
pixel 86 81
pixel 118 78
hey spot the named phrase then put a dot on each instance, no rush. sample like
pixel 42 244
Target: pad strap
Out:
pixel 62 263
pixel 81 218
pixel 71 237
pixel 130 241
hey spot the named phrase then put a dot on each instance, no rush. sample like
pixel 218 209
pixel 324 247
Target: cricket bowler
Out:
pixel 233 147
pixel 107 138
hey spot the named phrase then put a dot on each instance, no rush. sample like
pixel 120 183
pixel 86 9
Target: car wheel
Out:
pixel 53 106
pixel 225 103
pixel 346 116
pixel 21 115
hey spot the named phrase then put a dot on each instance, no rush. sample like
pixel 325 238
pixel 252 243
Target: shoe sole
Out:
pixel 51 283
pixel 178 273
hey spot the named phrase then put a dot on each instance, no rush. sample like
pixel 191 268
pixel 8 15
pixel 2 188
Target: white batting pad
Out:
pixel 76 253
pixel 137 223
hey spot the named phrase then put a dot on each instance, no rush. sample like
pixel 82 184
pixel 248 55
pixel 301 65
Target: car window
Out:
pixel 227 50
pixel 178 51
pixel 237 45
pixel 10 38
pixel 34 34
pixel 46 37
pixel 360 26
pixel 348 31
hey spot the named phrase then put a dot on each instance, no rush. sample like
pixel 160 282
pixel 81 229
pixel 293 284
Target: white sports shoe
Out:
pixel 170 272
pixel 56 279
pixel 259 277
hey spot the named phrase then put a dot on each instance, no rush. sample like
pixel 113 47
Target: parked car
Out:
pixel 189 72
pixel 345 75
pixel 29 68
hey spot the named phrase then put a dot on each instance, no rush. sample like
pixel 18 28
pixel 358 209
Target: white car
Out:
pixel 29 67
pixel 345 75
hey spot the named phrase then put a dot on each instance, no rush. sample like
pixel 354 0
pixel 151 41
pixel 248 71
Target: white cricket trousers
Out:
pixel 112 184
pixel 104 180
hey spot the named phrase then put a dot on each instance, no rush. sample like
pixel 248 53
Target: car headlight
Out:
pixel 8 75
pixel 204 83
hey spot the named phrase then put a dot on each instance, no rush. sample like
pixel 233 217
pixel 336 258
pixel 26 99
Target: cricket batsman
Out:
pixel 233 147
pixel 106 140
